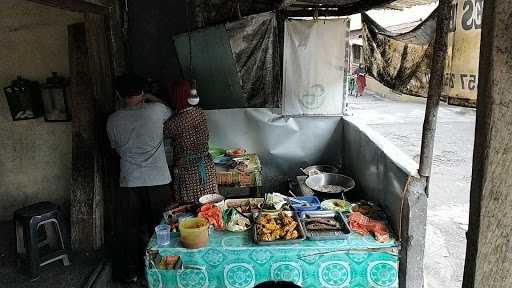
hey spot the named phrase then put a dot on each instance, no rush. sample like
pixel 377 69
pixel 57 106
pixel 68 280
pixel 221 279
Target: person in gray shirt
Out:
pixel 136 133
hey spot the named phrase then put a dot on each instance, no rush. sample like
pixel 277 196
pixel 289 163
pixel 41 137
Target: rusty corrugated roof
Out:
pixel 398 4
pixel 402 4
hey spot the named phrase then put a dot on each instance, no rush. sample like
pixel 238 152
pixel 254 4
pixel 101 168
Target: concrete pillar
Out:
pixel 489 253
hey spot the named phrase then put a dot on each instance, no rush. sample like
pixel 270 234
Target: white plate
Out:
pixel 211 198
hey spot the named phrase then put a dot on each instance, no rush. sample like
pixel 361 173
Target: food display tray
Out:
pixel 255 201
pixel 314 204
pixel 325 235
pixel 300 229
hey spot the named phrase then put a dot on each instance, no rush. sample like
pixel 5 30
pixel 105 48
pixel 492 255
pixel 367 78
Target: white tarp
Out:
pixel 314 66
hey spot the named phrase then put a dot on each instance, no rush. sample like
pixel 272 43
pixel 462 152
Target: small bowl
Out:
pixel 216 199
pixel 260 206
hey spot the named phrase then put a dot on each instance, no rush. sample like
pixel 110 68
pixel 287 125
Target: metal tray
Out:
pixel 326 235
pixel 300 229
pixel 229 202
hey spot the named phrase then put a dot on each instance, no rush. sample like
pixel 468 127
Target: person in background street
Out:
pixel 360 74
pixel 136 133
pixel 351 85
pixel 194 170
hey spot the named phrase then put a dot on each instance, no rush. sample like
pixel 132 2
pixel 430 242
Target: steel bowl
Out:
pixel 320 168
pixel 316 182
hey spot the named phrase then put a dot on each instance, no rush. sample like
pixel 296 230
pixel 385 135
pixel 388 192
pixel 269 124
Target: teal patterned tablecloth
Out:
pixel 233 260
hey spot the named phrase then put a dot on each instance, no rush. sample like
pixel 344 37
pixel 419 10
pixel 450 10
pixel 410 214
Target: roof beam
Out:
pixel 75 6
pixel 333 10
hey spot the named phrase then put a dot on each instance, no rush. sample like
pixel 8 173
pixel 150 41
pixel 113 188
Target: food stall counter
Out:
pixel 233 260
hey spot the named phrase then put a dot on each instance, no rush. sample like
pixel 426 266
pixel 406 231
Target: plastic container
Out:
pixel 194 232
pixel 314 204
pixel 163 234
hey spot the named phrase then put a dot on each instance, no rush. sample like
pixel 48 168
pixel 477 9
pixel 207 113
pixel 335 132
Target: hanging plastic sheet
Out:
pixel 315 64
pixel 399 61
pixel 236 65
pixel 255 48
pixel 402 61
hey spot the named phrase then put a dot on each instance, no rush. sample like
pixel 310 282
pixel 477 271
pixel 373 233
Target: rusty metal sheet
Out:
pixel 461 70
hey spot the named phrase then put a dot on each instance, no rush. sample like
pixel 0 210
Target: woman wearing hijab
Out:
pixel 194 171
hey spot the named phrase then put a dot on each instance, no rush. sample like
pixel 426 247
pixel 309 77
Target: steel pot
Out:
pixel 317 184
pixel 319 168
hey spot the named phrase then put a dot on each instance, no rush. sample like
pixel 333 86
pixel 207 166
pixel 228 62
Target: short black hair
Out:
pixel 128 85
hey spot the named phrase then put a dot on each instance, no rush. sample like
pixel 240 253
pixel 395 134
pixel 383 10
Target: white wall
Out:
pixel 35 156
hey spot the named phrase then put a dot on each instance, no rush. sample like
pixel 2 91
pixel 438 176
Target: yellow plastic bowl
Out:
pixel 194 232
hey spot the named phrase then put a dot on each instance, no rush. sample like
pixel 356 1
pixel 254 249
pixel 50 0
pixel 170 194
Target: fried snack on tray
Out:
pixel 243 206
pixel 286 231
pixel 282 227
pixel 293 234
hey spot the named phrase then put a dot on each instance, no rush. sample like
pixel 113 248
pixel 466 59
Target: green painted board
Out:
pixel 213 67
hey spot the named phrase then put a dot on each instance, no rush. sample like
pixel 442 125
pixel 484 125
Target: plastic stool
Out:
pixel 27 221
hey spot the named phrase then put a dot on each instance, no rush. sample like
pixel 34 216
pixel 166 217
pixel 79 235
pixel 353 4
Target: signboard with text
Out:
pixel 461 72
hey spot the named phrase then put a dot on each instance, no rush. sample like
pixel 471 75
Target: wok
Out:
pixel 316 182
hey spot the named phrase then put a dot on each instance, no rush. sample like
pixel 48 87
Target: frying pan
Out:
pixel 316 181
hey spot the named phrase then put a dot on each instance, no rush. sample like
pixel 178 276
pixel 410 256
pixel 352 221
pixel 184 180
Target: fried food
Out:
pixel 242 206
pixel 285 219
pixel 280 227
pixel 290 227
pixel 291 235
pixel 266 237
pixel 322 227
pixel 365 225
pixel 322 224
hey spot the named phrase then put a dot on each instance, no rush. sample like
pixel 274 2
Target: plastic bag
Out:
pixel 235 221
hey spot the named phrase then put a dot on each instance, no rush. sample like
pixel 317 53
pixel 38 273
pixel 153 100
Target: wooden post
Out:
pixel 94 172
pixel 92 175
pixel 435 87
pixel 488 252
pixel 84 141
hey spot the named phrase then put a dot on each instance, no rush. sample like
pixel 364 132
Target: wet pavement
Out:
pixel 401 122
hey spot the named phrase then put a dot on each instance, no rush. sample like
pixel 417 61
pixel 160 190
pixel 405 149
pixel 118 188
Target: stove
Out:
pixel 303 189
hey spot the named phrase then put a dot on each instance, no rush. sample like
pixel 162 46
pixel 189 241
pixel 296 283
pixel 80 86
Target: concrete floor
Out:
pixel 401 122
pixel 53 275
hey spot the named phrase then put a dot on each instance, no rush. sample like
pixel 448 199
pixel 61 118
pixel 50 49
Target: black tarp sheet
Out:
pixel 237 64
pixel 255 47
pixel 399 61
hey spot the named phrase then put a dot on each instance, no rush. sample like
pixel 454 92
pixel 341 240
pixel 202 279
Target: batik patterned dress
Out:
pixel 194 170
